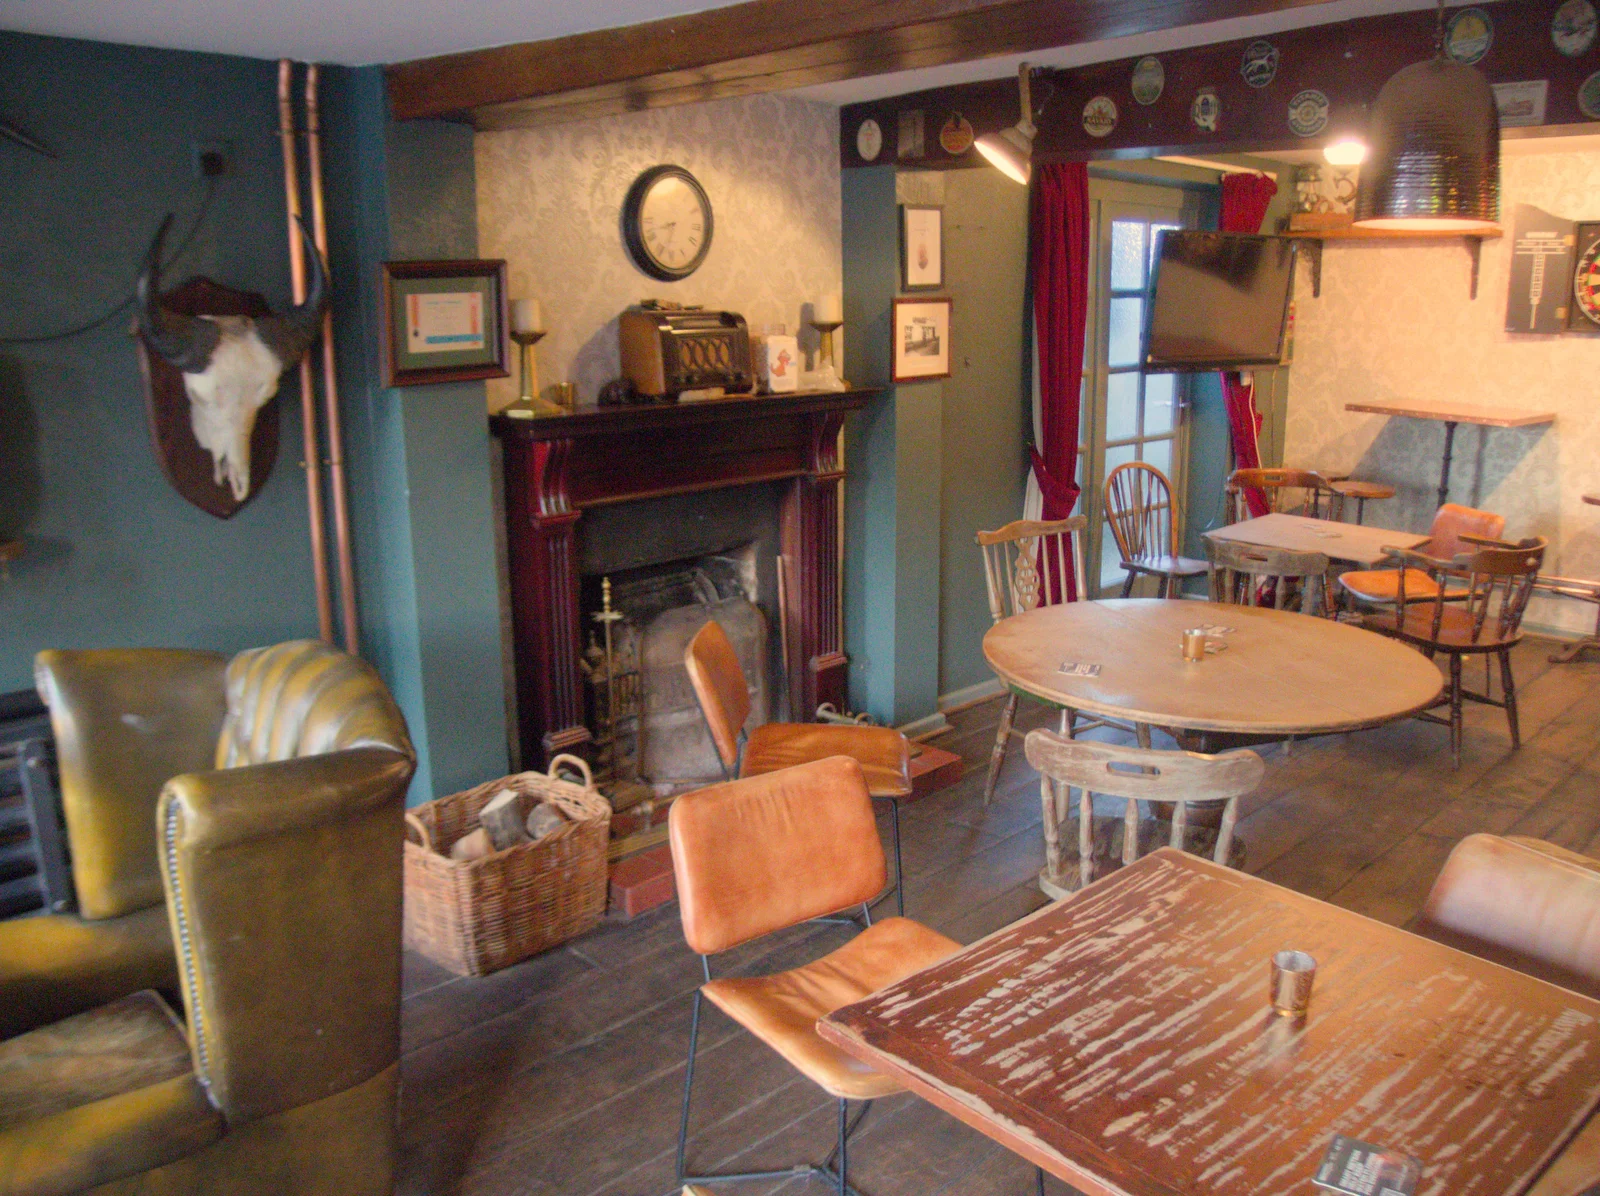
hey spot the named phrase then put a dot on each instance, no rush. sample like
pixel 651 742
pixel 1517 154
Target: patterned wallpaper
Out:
pixel 550 203
pixel 1394 321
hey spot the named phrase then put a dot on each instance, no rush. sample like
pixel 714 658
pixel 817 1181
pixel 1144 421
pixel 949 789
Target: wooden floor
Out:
pixel 563 1075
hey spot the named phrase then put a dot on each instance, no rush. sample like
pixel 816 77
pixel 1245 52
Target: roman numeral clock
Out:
pixel 666 223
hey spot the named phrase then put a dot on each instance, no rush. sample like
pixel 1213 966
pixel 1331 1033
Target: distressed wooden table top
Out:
pixel 1281 673
pixel 1122 1039
pixel 1456 412
pixel 1299 533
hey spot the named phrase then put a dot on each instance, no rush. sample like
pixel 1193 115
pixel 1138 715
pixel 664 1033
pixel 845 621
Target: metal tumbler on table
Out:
pixel 1293 973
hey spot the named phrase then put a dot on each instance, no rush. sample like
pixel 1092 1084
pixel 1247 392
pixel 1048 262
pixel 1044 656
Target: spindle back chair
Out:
pixel 1241 574
pixel 1144 523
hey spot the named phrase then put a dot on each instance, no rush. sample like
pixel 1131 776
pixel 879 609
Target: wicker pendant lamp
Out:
pixel 1434 161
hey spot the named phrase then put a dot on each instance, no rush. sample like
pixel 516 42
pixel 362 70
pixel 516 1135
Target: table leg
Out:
pixel 1444 469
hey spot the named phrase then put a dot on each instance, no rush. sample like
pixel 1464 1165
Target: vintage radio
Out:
pixel 666 351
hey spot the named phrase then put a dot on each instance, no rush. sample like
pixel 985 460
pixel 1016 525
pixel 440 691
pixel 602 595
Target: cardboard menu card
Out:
pixel 1361 1169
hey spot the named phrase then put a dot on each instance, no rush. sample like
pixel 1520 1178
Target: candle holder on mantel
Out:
pixel 827 377
pixel 530 375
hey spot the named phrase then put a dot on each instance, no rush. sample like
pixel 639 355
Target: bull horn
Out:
pixel 292 333
pixel 183 341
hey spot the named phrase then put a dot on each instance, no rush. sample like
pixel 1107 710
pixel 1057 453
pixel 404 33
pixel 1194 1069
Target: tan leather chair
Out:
pixel 1523 903
pixel 281 877
pixel 758 855
pixel 1381 587
pixel 883 753
pixel 126 721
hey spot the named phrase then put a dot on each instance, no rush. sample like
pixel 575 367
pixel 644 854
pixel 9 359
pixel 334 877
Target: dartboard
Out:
pixel 1586 280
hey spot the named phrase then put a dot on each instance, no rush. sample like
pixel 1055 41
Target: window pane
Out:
pixel 1160 396
pixel 1122 406
pixel 1159 454
pixel 1126 326
pixel 1154 230
pixel 1127 255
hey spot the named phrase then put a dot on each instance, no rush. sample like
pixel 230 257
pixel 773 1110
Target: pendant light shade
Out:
pixel 1011 150
pixel 1435 152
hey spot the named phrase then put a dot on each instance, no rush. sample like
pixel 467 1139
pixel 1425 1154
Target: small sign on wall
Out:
pixel 1541 272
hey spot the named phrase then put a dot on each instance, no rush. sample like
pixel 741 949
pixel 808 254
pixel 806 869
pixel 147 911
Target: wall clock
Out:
pixel 666 223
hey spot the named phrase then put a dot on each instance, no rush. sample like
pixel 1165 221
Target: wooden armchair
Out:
pixel 1287 491
pixel 1171 780
pixel 1454 529
pixel 1241 572
pixel 1486 620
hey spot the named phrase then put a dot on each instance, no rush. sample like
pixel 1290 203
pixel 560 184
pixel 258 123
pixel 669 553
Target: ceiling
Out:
pixel 361 32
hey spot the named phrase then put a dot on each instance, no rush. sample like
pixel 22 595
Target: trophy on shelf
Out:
pixel 827 315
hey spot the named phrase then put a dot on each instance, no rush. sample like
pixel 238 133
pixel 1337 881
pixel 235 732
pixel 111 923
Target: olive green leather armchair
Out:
pixel 281 871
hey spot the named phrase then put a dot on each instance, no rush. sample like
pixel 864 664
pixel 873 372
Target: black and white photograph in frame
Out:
pixel 921 339
pixel 921 247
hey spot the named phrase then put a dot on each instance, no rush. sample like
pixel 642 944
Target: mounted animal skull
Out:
pixel 231 364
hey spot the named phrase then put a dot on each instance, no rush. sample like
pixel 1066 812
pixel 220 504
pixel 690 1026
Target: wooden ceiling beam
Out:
pixel 762 46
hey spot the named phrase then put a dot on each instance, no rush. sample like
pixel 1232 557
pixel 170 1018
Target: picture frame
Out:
pixel 921 350
pixel 444 321
pixel 921 247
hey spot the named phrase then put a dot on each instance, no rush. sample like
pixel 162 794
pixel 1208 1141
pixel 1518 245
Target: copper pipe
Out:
pixel 308 396
pixel 330 384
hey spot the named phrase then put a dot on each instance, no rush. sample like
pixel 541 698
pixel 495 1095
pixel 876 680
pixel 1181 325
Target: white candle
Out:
pixel 526 316
pixel 829 309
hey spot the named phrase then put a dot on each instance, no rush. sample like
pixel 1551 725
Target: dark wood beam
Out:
pixel 763 46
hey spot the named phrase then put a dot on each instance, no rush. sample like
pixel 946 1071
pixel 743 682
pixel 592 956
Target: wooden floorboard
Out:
pixel 563 1075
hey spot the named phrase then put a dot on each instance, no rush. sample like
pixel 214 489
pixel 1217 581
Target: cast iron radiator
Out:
pixel 34 876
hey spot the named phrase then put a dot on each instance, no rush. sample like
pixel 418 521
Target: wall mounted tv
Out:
pixel 1221 301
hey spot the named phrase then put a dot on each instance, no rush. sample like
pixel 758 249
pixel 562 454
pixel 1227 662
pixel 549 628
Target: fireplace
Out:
pixel 744 490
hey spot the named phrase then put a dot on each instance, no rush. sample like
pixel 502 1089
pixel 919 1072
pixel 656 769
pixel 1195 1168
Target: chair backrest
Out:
pixel 1499 581
pixel 1175 779
pixel 769 851
pixel 1028 564
pixel 1290 491
pixel 720 686
pixel 1523 903
pixel 1239 573
pixel 305 698
pixel 1452 521
pixel 1140 510
pixel 283 885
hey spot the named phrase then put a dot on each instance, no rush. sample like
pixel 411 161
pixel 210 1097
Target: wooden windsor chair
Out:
pixel 1172 781
pixel 1026 565
pixel 1144 523
pixel 1287 491
pixel 1241 574
pixel 1485 621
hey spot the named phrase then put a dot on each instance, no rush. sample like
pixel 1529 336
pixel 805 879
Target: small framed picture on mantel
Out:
pixel 921 247
pixel 444 322
pixel 921 339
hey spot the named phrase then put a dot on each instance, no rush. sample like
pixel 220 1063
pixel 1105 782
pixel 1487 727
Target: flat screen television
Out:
pixel 1221 301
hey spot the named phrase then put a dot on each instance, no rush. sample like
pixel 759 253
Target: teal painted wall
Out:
pixel 114 556
pixel 987 415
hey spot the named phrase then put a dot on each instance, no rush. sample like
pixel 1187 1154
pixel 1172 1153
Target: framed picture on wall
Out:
pixel 444 321
pixel 921 247
pixel 921 339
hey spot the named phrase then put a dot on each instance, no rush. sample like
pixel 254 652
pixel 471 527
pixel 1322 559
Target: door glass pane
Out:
pixel 1160 395
pixel 1159 454
pixel 1155 231
pixel 1127 255
pixel 1126 325
pixel 1122 406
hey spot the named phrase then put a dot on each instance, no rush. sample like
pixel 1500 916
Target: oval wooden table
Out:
pixel 1279 675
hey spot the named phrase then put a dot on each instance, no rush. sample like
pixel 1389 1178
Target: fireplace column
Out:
pixel 817 670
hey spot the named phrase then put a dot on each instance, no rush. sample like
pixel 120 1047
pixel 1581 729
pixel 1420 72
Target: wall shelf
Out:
pixel 1315 237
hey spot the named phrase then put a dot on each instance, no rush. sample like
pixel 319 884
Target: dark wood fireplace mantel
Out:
pixel 556 466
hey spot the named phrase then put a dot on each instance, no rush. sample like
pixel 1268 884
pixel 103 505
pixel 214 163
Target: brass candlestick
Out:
pixel 829 371
pixel 530 375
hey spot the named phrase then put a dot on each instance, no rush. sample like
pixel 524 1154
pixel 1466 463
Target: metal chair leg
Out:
pixel 899 860
pixel 688 1084
pixel 1002 738
pixel 1038 1173
pixel 844 1144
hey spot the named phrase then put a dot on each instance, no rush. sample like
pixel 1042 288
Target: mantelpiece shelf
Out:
pixel 1316 236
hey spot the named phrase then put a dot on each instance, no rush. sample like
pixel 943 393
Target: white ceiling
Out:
pixel 351 32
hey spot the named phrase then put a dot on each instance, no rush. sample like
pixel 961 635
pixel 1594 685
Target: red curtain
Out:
pixel 1060 252
pixel 1245 198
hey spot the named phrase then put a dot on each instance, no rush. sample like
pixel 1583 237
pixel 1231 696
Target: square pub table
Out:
pixel 1122 1039
pixel 1353 542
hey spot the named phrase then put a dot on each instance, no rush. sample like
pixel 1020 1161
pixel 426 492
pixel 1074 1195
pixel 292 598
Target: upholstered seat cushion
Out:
pixel 103 1094
pixel 1180 566
pixel 1382 586
pixel 883 753
pixel 1455 629
pixel 782 1009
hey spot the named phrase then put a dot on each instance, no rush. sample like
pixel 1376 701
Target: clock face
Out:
pixel 666 223
pixel 1586 281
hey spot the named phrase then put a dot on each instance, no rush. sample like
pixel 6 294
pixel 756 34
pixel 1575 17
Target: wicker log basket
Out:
pixel 478 916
